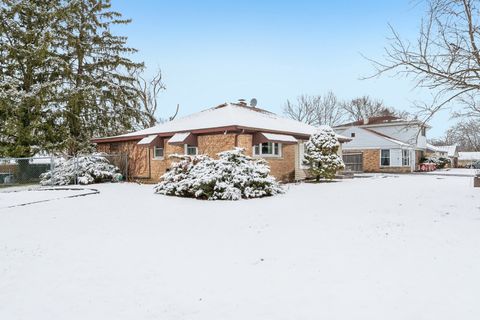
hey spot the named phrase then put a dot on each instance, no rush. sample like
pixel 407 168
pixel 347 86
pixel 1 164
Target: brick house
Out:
pixel 261 133
pixel 384 144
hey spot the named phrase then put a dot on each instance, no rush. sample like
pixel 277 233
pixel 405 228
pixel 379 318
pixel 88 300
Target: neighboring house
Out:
pixel 261 133
pixel 450 152
pixel 465 159
pixel 384 144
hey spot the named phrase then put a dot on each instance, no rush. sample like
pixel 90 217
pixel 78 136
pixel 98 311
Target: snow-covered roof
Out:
pixel 433 148
pixel 380 121
pixel 469 156
pixel 388 138
pixel 279 137
pixel 450 150
pixel 179 137
pixel 147 139
pixel 228 115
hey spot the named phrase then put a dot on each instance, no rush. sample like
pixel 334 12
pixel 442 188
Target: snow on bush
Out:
pixel 321 154
pixel 441 162
pixel 231 177
pixel 88 169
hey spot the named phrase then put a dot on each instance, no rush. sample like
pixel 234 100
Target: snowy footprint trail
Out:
pixel 23 197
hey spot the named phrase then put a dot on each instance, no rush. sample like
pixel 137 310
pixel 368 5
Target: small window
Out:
pixel 385 158
pixel 158 152
pixel 352 134
pixel 406 157
pixel 191 150
pixel 424 131
pixel 272 149
pixel 114 147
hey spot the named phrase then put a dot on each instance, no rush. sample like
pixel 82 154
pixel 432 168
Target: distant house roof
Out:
pixel 372 120
pixel 432 148
pixel 469 156
pixel 450 150
pixel 225 117
pixel 380 120
pixel 387 137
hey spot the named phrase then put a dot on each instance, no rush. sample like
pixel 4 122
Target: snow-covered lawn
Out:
pixel 453 172
pixel 404 247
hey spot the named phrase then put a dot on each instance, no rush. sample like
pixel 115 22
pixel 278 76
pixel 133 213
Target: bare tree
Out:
pixel 303 110
pixel 465 134
pixel 147 94
pixel 329 111
pixel 316 110
pixel 366 107
pixel 445 57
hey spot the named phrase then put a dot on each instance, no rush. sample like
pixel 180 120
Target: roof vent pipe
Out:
pixel 242 102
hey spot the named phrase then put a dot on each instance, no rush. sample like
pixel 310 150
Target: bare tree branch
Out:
pixel 445 57
pixel 316 110
pixel 147 94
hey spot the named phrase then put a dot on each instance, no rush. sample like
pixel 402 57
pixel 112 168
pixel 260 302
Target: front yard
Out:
pixel 385 247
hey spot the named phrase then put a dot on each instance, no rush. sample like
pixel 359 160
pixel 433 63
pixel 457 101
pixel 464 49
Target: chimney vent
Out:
pixel 242 102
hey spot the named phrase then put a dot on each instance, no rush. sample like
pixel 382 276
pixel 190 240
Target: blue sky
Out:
pixel 216 51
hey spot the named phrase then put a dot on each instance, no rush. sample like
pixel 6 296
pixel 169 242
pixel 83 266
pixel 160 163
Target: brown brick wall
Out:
pixel 213 144
pixel 281 168
pixel 245 141
pixel 371 162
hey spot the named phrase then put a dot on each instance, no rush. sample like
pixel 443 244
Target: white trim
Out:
pixel 389 159
pixel 185 146
pixel 163 152
pixel 274 137
pixel 261 155
pixel 301 155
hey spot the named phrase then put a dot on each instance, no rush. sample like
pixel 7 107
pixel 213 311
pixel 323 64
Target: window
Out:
pixel 272 149
pixel 191 150
pixel 352 134
pixel 405 157
pixel 424 131
pixel 114 147
pixel 158 152
pixel 385 158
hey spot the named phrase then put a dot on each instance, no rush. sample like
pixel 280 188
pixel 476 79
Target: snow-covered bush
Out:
pixel 321 154
pixel 440 162
pixel 87 169
pixel 231 177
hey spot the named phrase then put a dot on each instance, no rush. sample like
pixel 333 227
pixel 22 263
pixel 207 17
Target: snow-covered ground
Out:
pixel 453 172
pixel 18 196
pixel 404 247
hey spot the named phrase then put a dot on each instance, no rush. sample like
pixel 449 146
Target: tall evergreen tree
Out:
pixel 321 154
pixel 100 94
pixel 64 76
pixel 29 76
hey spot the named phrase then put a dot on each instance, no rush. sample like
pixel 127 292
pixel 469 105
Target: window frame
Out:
pixel 186 147
pixel 382 157
pixel 155 157
pixel 407 152
pixel 115 147
pixel 258 152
